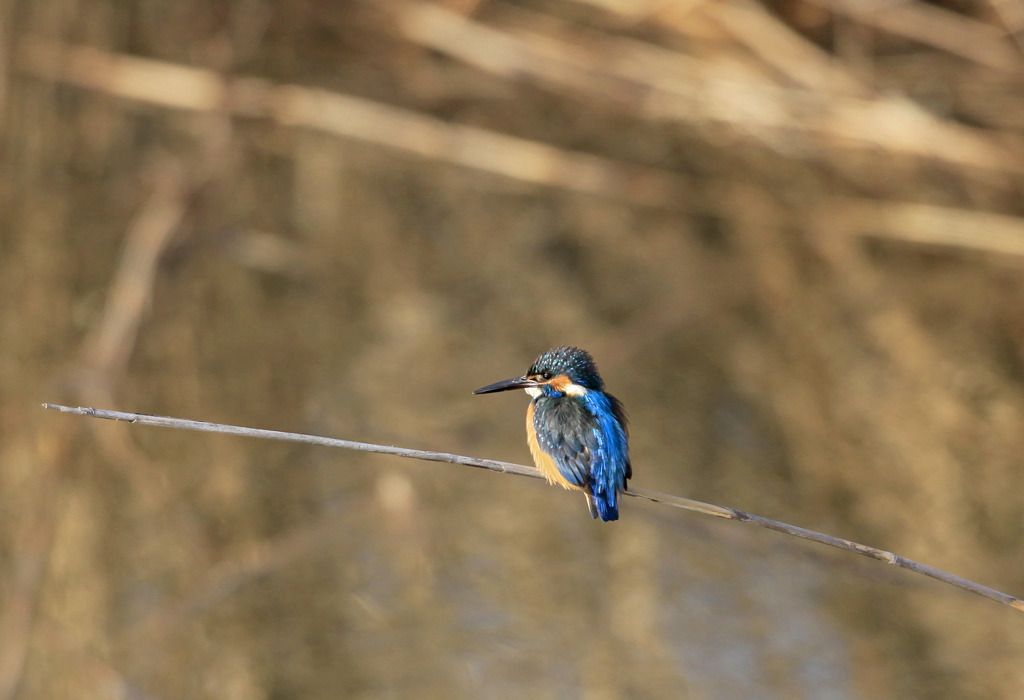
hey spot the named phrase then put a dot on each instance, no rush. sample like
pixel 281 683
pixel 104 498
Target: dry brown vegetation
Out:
pixel 791 234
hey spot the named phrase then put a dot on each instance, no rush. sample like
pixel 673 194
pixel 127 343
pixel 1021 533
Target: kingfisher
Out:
pixel 576 431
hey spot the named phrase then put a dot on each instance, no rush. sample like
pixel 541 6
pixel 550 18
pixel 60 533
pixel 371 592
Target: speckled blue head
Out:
pixel 573 362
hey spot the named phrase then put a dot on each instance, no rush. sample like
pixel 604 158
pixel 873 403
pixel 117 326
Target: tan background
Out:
pixel 789 236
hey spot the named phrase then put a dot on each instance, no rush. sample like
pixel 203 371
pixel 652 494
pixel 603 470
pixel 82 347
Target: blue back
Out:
pixel 610 466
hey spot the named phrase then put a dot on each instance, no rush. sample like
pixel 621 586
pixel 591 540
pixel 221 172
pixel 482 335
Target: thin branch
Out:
pixel 204 427
pixel 522 470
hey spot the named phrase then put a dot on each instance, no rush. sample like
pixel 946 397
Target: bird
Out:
pixel 576 431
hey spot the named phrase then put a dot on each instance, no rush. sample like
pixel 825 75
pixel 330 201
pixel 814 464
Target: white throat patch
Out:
pixel 575 390
pixel 570 389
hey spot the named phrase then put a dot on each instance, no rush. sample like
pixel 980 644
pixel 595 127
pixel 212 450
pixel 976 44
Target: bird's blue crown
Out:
pixel 574 362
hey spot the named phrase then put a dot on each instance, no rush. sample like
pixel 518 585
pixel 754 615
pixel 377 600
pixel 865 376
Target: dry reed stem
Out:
pixel 110 345
pixel 108 348
pixel 933 26
pixel 781 48
pixel 6 10
pixel 997 235
pixel 201 90
pixel 664 84
pixel 106 351
pixel 890 123
pixel 523 470
pixel 1011 16
pixel 32 542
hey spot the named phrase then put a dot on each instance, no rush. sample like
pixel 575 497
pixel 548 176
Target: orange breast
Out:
pixel 545 462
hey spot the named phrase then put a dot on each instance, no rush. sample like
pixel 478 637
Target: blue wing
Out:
pixel 588 441
pixel 610 465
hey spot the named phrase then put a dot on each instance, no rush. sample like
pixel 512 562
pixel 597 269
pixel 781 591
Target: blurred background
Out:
pixel 790 233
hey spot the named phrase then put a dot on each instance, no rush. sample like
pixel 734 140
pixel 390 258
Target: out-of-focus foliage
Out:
pixel 790 235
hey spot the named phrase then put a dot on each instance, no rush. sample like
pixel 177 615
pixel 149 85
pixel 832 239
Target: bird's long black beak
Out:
pixel 506 385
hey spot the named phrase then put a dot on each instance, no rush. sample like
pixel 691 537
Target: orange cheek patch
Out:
pixel 563 384
pixel 560 383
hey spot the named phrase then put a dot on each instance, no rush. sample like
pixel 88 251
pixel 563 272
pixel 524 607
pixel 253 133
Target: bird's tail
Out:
pixel 603 505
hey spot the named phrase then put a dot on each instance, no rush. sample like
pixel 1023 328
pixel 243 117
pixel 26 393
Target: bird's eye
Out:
pixel 546 374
